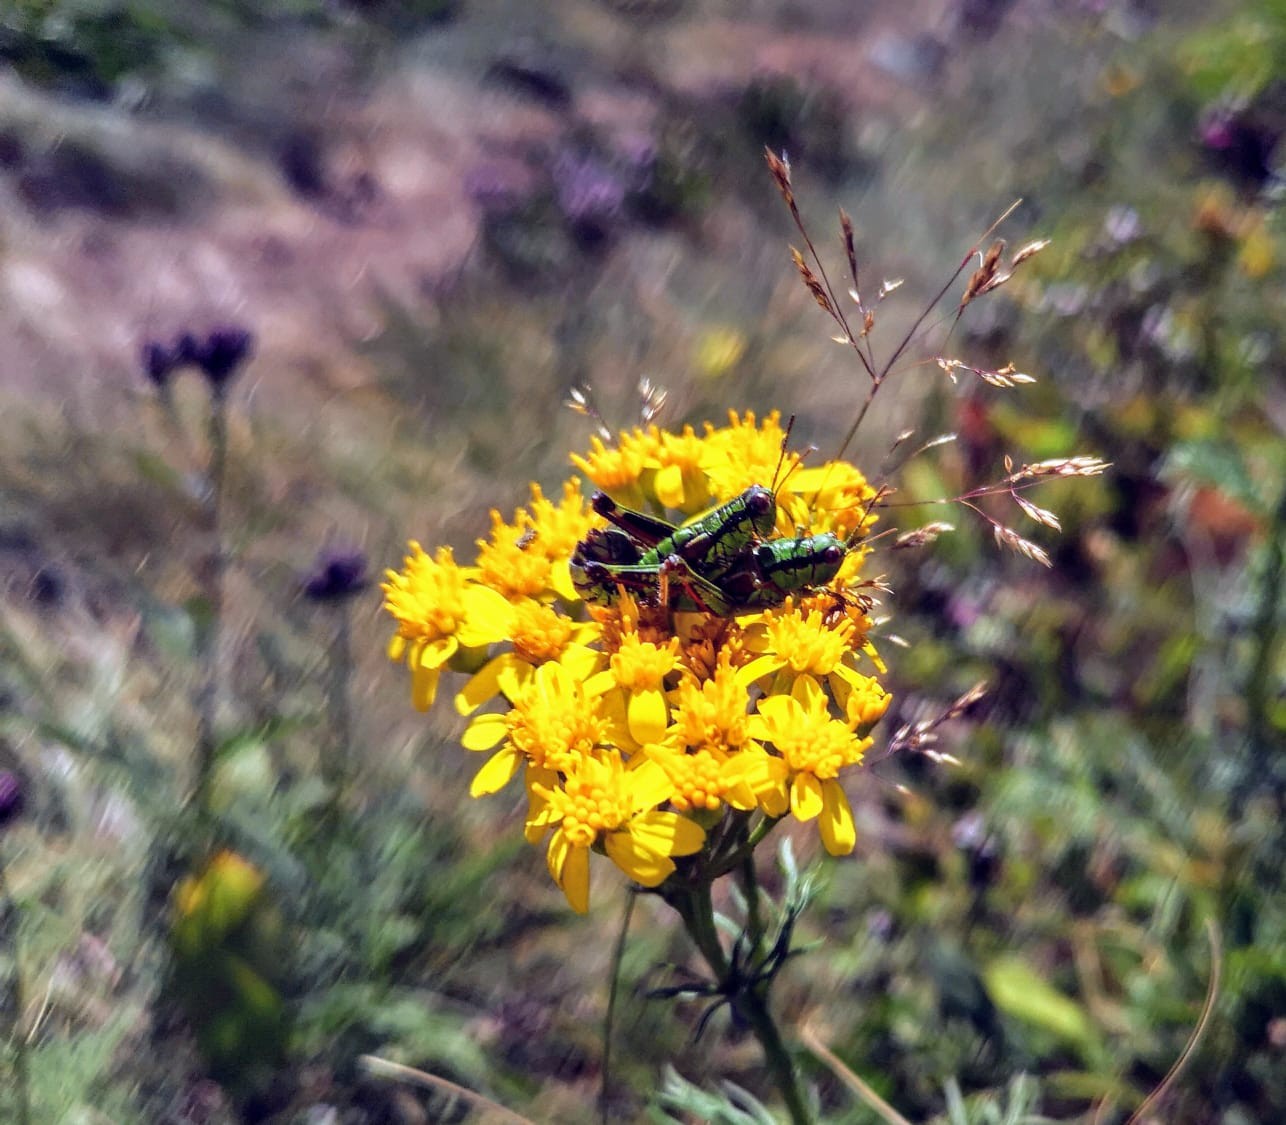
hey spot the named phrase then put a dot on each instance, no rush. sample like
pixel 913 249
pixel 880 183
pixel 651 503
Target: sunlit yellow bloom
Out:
pixel 621 719
pixel 743 453
pixel 865 703
pixel 795 642
pixel 507 564
pixel 555 723
pixel 705 780
pixel 600 801
pixel 712 713
pixel 681 482
pixel 439 610
pixel 639 668
pixel 618 469
pixel 539 633
pixel 815 748
pixel 556 529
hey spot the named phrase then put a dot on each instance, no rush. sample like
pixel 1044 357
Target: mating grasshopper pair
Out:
pixel 723 563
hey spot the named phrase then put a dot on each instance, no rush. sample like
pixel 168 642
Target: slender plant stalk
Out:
pixel 339 702
pixel 21 1060
pixel 696 908
pixel 215 571
pixel 618 959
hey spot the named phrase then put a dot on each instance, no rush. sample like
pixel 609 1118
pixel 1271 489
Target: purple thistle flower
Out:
pixel 339 573
pixel 158 362
pixel 222 353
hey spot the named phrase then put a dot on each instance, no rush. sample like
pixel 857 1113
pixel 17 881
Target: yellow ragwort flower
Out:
pixel 600 801
pixel 555 723
pixel 639 669
pixel 439 611
pixel 540 633
pixel 815 748
pixel 712 713
pixel 506 564
pixel 798 642
pixel 556 529
pixel 680 481
pixel 745 453
pixel 705 780
pixel 620 468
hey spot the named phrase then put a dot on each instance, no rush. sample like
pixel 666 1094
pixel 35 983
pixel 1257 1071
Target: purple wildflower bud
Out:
pixel 158 362
pixel 338 574
pixel 222 353
pixel 12 798
pixel 185 350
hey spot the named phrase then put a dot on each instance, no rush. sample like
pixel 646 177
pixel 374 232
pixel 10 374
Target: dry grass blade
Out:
pixel 780 169
pixel 921 536
pixel 1008 537
pixel 1040 515
pixel 869 1097
pixel 384 1068
pixel 850 251
pixel 814 285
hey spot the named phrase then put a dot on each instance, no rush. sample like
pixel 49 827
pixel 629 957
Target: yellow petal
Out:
pixel 580 661
pixel 836 823
pixel 560 581
pixel 667 833
pixel 488 616
pixel 805 796
pixel 483 684
pixel 496 773
pixel 424 687
pixel 668 485
pixel 638 861
pixel 436 653
pixel 556 856
pixel 648 716
pixel 396 647
pixel 600 683
pixel 761 666
pixel 808 692
pixel 484 732
pixel 650 785
pixel 575 879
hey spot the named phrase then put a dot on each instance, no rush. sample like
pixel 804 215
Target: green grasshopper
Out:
pixel 632 552
pixel 721 564
pixel 711 544
pixel 763 576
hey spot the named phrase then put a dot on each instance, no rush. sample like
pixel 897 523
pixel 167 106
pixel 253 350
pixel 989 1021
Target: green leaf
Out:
pixel 1019 991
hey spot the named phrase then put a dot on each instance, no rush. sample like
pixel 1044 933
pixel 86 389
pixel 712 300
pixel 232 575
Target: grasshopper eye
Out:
pixel 833 555
pixel 759 501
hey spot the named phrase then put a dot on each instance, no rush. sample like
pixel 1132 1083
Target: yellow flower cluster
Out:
pixel 635 728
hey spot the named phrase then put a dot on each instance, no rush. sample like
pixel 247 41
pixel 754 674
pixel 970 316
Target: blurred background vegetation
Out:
pixel 437 215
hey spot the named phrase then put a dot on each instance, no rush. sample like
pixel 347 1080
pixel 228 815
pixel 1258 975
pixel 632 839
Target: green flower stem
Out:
pixel 208 640
pixel 609 1018
pixel 754 916
pixel 696 908
pixel 21 1063
pixel 339 704
pixel 733 860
